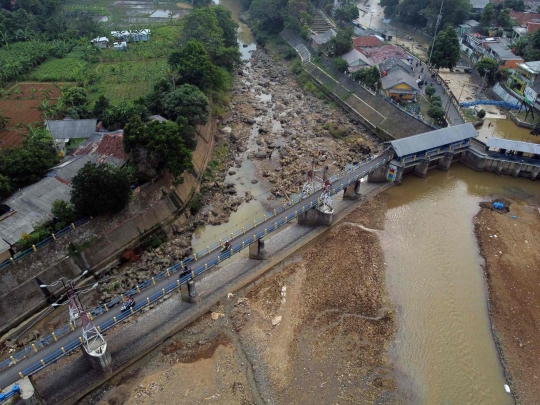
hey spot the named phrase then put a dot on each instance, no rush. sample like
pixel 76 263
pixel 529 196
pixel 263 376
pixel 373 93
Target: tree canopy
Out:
pixel 158 146
pixel 195 67
pixel 369 76
pixel 347 11
pixel 100 189
pixel 341 43
pixel 488 67
pixel 30 162
pixel 214 28
pixel 487 16
pixel 187 101
pixel 446 48
pixel 417 12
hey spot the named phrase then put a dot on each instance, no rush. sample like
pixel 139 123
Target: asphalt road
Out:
pixel 11 375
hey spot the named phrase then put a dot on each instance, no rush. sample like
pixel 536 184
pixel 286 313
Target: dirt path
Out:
pixel 510 248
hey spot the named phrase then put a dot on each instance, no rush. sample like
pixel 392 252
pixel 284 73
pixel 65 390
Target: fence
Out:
pixel 21 255
pixel 185 276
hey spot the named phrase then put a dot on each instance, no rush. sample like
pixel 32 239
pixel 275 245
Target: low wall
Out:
pixel 518 122
pixel 20 295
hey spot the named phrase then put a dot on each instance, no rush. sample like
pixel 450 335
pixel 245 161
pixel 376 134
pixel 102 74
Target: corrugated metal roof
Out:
pixel 396 77
pixel 354 55
pixel 68 129
pixel 507 144
pixel 433 139
pixel 479 4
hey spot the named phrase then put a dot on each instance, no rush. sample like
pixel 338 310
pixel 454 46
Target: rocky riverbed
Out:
pixel 272 123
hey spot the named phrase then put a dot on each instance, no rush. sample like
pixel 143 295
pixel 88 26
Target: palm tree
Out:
pixel 4 121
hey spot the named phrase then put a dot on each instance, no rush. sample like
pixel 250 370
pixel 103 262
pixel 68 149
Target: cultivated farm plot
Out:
pixel 125 81
pixel 19 103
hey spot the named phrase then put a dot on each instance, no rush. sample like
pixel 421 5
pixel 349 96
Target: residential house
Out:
pixel 321 41
pixel 380 54
pixel 477 47
pixel 478 5
pixel 68 133
pixel 468 27
pixel 121 36
pixel 521 18
pixel 100 42
pixel 369 41
pixel 394 63
pixel 356 60
pixel 120 46
pixel 140 36
pixel 503 55
pixel 31 205
pixel 398 84
pixel 525 74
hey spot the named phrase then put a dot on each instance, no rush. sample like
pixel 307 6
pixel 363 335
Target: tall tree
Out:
pixel 195 67
pixel 446 49
pixel 100 189
pixel 201 24
pixel 187 101
pixel 487 16
pixel 504 19
pixel 341 43
pixel 157 146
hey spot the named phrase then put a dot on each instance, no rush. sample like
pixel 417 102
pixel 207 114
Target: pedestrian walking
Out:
pixel 422 70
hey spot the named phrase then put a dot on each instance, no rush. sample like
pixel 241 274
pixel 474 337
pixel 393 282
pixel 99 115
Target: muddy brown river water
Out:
pixel 444 349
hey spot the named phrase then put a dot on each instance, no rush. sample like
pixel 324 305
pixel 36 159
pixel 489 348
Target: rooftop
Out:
pixel 521 17
pixel 368 41
pixel 481 4
pixel 433 139
pixel 354 55
pixel 507 144
pixel 533 66
pixel 109 146
pixel 394 63
pixel 398 76
pixel 69 128
pixel 383 53
pixel 503 51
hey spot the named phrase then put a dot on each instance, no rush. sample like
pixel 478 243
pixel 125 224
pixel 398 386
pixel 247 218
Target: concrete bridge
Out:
pixel 417 154
pixel 305 209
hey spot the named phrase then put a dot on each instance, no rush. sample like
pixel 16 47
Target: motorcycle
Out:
pixel 225 247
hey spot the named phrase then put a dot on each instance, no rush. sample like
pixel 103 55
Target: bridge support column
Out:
pixel 517 169
pixel 499 167
pixel 315 217
pixel 399 175
pixel 378 175
pixel 192 295
pixel 481 166
pixel 445 162
pixel 99 359
pixel 534 173
pixel 352 192
pixel 257 251
pixel 421 168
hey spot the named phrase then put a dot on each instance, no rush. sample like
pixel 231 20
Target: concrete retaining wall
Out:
pixel 20 295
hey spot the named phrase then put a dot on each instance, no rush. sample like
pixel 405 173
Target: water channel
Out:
pixel 444 349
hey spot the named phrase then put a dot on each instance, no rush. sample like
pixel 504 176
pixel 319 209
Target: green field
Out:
pixel 127 80
pixel 58 70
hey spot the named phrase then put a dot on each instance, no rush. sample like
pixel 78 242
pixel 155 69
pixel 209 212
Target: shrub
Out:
pixel 481 114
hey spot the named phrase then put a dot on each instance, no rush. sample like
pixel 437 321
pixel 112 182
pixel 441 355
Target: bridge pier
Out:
pixel 445 162
pixel 315 216
pixel 534 173
pixel 99 359
pixel 192 295
pixel 378 175
pixel 399 175
pixel 257 251
pixel 421 168
pixel 352 192
pixel 499 167
pixel 517 169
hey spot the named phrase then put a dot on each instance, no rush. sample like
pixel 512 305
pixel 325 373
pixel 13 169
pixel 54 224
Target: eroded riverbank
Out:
pixel 509 243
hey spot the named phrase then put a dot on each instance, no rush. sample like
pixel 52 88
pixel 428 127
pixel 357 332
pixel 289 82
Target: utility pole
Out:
pixel 93 342
pixel 435 34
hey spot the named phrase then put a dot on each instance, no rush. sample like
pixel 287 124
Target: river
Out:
pixel 444 350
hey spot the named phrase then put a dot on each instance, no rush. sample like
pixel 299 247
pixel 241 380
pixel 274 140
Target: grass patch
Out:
pixel 58 70
pixel 126 80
